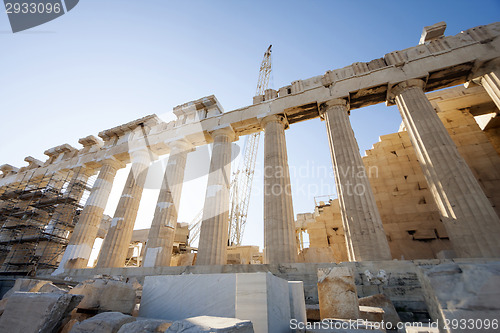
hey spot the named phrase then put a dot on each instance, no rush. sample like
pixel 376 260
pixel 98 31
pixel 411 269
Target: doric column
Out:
pixel 80 244
pixel 115 246
pixel 215 222
pixel 491 83
pixel 471 223
pixel 279 221
pixel 364 233
pixel 161 235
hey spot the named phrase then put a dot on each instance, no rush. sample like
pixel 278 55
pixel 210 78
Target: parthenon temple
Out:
pixel 432 208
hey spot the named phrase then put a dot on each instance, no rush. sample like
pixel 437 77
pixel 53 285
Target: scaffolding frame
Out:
pixel 37 217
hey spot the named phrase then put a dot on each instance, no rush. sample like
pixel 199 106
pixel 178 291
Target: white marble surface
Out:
pixel 251 300
pixel 297 301
pixel 211 325
pixel 278 305
pixel 259 297
pixel 176 297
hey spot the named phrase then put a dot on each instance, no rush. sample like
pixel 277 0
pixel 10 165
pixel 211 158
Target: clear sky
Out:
pixel 109 62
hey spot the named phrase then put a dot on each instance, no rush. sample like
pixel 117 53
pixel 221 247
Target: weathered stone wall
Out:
pixel 397 279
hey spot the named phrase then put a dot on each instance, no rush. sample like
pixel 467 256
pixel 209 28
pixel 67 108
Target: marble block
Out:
pixel 371 313
pixel 462 292
pixel 382 301
pixel 261 298
pixel 27 312
pixel 297 301
pixel 337 293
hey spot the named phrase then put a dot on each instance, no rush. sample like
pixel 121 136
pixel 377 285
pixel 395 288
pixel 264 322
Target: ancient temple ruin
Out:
pixel 435 195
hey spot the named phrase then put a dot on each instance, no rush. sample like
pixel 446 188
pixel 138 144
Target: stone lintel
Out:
pixel 66 149
pixel 432 32
pixel 258 99
pixel 8 169
pixel 210 104
pixel 90 141
pixel 33 162
pixel 270 94
pixel 148 121
pixel 483 68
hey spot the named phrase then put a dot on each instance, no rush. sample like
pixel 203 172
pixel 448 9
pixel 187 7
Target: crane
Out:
pixel 241 184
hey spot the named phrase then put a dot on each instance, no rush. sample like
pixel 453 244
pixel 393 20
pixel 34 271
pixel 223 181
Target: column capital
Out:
pixel 280 118
pixel 180 145
pixel 141 153
pixel 113 162
pixel 84 171
pixel 224 130
pixel 325 106
pixel 398 88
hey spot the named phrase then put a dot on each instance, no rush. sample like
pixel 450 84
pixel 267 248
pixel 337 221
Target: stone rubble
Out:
pixel 206 324
pixel 102 295
pixel 462 292
pixel 106 322
pixel 146 325
pixel 382 301
pixel 27 312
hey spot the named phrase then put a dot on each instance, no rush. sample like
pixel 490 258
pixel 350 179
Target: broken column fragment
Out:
pixel 106 295
pixel 107 322
pixel 337 293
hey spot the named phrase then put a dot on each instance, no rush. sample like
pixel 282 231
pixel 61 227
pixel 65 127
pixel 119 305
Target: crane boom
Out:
pixel 264 72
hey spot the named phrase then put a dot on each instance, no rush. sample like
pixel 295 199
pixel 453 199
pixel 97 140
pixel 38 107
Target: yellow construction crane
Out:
pixel 241 184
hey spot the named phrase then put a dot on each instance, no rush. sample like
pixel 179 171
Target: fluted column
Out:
pixel 215 222
pixel 364 233
pixel 161 235
pixel 80 244
pixel 491 83
pixel 279 221
pixel 471 223
pixel 115 246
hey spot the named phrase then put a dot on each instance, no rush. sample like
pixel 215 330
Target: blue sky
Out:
pixel 106 63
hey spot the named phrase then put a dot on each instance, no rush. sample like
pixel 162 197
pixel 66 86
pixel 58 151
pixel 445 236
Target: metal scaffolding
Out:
pixel 37 217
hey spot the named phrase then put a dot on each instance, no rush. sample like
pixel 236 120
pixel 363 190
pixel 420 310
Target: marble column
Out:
pixel 363 229
pixel 80 244
pixel 491 83
pixel 467 214
pixel 115 246
pixel 279 222
pixel 214 230
pixel 161 235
